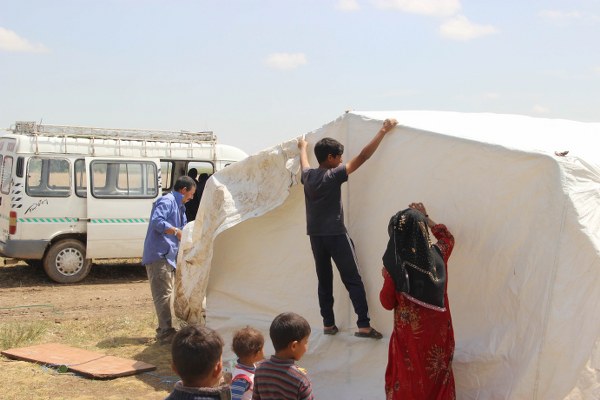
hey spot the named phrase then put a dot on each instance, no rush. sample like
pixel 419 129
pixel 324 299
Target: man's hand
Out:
pixel 174 231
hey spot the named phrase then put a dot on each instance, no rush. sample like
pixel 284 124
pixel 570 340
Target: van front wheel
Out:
pixel 65 261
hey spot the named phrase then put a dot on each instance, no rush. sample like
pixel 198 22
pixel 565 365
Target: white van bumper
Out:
pixel 23 249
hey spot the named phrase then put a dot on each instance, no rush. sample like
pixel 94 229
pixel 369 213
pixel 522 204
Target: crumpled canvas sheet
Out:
pixel 524 277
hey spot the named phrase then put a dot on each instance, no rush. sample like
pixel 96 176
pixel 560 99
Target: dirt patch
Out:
pixel 110 289
pixel 110 311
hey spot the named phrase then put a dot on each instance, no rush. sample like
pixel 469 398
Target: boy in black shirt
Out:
pixel 325 225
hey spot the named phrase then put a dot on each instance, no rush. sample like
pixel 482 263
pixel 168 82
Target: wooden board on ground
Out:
pixel 88 363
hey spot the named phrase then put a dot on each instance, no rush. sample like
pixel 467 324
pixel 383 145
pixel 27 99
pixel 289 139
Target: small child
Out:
pixel 196 353
pixel 279 378
pixel 248 345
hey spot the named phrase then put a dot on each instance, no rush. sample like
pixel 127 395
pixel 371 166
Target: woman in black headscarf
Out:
pixel 422 343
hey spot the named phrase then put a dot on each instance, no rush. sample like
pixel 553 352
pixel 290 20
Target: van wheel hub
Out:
pixel 69 261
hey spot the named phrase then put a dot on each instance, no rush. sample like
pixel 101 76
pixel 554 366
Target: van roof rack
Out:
pixel 35 129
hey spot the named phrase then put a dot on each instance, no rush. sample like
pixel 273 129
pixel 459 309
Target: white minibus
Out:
pixel 69 194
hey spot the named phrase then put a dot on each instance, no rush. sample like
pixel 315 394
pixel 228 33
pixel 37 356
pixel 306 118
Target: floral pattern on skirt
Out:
pixel 422 343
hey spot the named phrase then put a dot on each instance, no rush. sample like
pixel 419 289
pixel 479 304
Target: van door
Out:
pixel 7 165
pixel 120 193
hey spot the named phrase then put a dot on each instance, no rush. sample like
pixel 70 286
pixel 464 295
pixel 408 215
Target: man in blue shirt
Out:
pixel 160 250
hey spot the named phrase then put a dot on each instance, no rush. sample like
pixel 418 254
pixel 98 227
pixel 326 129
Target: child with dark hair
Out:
pixel 329 238
pixel 248 345
pixel 196 353
pixel 278 378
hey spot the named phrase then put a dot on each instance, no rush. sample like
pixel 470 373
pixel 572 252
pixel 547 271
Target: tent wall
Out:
pixel 572 336
pixel 524 277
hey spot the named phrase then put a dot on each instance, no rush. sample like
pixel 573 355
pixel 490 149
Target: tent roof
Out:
pixel 518 132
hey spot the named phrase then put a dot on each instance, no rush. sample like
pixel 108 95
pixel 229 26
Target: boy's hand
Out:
pixel 388 125
pixel 370 148
pixel 303 156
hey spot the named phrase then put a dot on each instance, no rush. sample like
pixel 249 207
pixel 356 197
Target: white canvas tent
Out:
pixel 524 277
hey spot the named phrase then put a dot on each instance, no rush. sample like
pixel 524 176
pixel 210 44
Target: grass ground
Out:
pixel 112 314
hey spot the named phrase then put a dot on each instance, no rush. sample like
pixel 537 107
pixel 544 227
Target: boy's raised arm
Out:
pixel 303 156
pixel 370 148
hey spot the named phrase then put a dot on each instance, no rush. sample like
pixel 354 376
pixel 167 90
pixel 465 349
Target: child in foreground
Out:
pixel 278 378
pixel 196 353
pixel 248 346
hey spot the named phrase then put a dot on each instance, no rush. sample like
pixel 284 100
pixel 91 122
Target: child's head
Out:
pixel 327 146
pixel 289 333
pixel 196 353
pixel 248 344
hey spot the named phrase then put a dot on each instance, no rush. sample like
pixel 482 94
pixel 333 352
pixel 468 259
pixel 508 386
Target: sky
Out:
pixel 259 72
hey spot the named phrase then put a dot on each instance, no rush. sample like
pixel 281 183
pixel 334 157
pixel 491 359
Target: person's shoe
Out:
pixel 166 337
pixel 372 334
pixel 330 331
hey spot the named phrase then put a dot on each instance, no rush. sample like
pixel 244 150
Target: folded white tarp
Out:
pixel 524 277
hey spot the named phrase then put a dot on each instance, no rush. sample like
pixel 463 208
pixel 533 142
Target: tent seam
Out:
pixel 550 296
pixel 350 310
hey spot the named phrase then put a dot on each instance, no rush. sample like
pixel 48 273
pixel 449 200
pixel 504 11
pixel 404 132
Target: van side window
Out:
pixel 5 173
pixel 80 178
pixel 1 171
pixel 20 166
pixel 135 179
pixel 48 177
pixel 166 174
pixel 203 167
